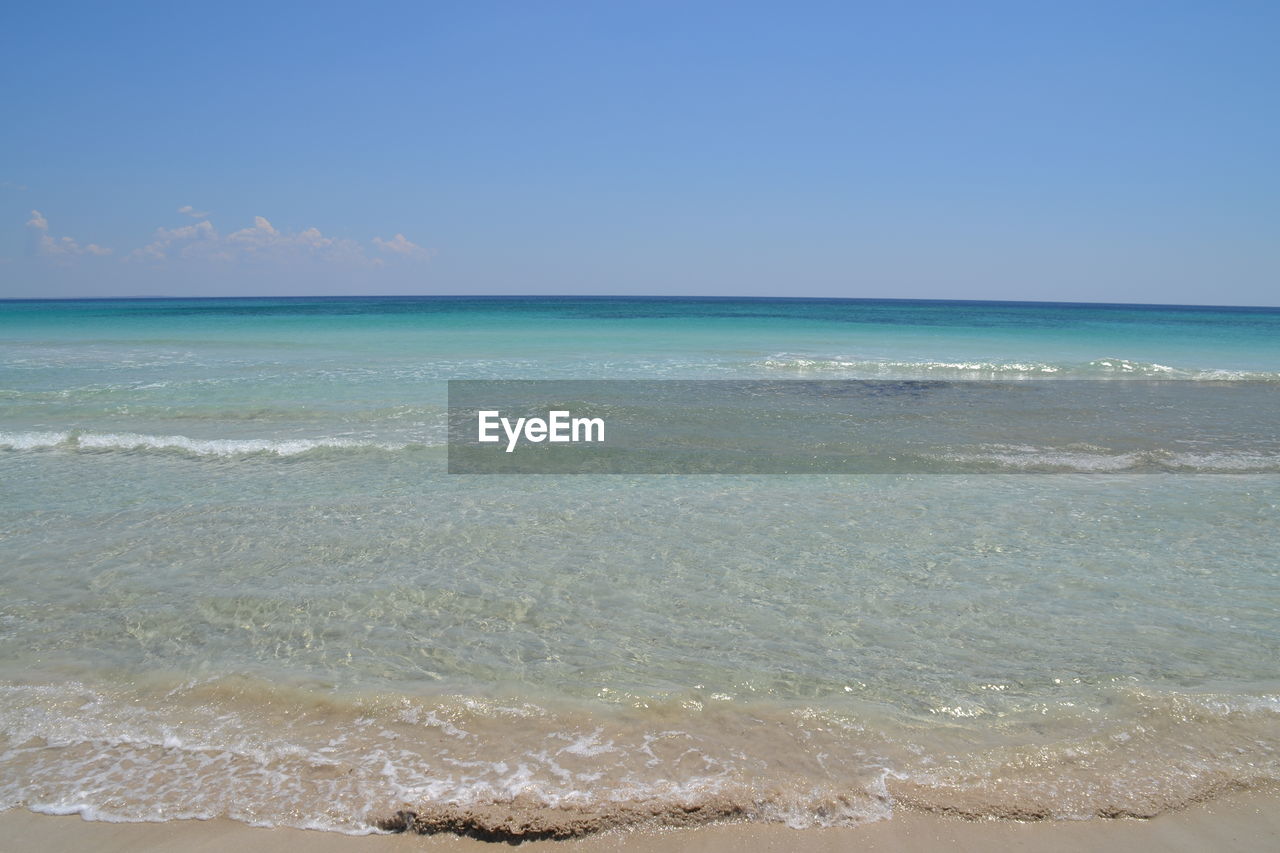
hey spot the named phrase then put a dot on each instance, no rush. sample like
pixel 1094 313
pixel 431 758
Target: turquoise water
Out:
pixel 235 578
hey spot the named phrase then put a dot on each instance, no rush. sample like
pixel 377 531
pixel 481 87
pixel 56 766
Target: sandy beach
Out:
pixel 1241 821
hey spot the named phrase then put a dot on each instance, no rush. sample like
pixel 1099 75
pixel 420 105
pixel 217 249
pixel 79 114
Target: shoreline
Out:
pixel 1235 821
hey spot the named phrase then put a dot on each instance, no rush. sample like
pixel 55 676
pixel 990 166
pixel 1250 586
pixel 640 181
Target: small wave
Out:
pixel 1101 368
pixel 1099 461
pixel 76 440
pixel 351 766
pixel 272 755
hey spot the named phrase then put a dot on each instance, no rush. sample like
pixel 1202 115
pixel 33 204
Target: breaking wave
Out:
pixel 517 770
pixel 76 440
pixel 1101 461
pixel 1102 368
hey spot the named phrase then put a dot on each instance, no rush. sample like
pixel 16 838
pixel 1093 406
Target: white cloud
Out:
pixel 400 246
pixel 264 241
pixel 189 239
pixel 263 237
pixel 192 212
pixel 47 244
pixel 260 242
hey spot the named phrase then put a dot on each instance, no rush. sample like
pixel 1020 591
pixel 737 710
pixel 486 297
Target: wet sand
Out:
pixel 1242 821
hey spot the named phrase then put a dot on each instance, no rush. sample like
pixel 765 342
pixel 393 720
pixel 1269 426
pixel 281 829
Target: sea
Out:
pixel 237 579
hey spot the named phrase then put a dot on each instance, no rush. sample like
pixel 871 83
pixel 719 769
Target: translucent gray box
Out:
pixel 870 426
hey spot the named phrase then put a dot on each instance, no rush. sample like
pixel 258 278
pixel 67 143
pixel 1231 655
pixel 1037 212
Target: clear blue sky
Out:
pixel 1100 151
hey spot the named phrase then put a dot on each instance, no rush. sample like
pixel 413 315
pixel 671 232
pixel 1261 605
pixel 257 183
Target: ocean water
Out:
pixel 236 579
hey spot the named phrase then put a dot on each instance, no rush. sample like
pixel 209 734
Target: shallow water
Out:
pixel 235 579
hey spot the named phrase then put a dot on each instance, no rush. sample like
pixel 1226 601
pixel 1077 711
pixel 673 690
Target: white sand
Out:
pixel 1237 822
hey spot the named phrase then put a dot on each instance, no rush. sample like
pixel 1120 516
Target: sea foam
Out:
pixel 96 441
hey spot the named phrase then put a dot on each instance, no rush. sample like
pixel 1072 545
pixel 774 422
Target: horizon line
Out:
pixel 495 296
